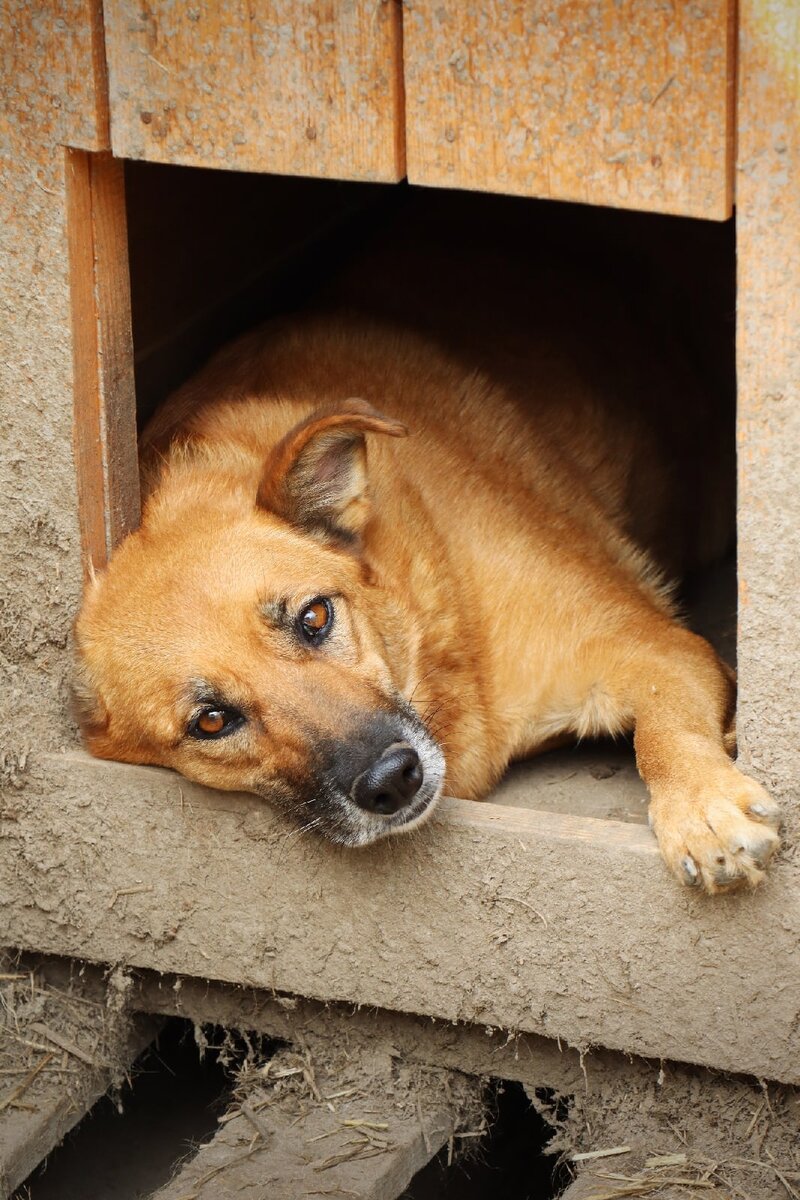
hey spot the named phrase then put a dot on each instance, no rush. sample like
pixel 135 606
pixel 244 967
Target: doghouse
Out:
pixel 134 134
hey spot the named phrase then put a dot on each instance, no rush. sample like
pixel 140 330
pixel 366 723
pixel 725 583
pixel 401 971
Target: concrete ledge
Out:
pixel 563 926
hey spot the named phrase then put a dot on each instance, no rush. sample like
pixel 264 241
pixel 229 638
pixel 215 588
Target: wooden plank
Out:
pixel 768 362
pixel 626 104
pixel 93 1048
pixel 104 397
pixel 52 62
pixel 564 926
pixel 287 1140
pixel 312 89
pixel 661 1112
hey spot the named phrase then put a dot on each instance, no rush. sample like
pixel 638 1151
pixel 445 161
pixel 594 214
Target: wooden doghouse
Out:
pixel 690 108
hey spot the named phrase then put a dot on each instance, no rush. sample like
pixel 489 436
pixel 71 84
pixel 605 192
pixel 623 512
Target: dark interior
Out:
pixel 213 253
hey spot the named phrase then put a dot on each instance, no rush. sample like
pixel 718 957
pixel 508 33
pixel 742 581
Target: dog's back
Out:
pixel 528 361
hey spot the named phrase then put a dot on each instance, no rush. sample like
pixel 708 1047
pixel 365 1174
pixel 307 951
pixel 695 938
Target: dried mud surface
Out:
pixel 328 1116
pixel 719 1136
pixel 39 544
pixel 60 1049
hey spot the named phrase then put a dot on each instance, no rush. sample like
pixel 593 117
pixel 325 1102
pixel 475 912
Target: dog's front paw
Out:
pixel 718 835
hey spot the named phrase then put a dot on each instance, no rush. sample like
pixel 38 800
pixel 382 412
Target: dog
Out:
pixel 377 564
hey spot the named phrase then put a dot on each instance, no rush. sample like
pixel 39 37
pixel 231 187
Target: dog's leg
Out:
pixel 716 827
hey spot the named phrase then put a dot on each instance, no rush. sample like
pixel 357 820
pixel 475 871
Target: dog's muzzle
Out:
pixel 384 778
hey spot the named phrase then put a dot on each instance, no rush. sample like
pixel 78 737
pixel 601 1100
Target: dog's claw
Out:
pixel 763 812
pixel 763 851
pixel 691 876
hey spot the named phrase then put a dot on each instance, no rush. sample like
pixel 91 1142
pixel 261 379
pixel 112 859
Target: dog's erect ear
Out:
pixel 316 476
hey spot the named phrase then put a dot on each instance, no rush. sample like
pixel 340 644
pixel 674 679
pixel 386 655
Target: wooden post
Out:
pixel 768 362
pixel 104 397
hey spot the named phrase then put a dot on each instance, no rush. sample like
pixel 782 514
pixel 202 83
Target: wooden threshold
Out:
pixel 544 922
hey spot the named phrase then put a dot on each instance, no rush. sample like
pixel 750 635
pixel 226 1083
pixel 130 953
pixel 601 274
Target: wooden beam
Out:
pixel 768 367
pixel 308 1139
pixel 313 89
pixel 47 1085
pixel 104 397
pixel 565 926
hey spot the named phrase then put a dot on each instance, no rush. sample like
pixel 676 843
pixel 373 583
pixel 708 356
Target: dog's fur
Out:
pixel 497 578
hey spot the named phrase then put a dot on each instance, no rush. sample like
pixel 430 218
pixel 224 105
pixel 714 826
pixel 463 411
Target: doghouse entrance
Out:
pixel 212 253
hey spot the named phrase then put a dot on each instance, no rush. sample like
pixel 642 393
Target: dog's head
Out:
pixel 243 641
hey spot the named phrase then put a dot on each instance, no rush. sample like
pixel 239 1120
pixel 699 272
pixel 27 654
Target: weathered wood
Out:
pixel 768 362
pixel 39 539
pixel 565 926
pixel 38 1107
pixel 290 1140
pixel 475 1049
pixel 53 67
pixel 104 397
pixel 702 1118
pixel 311 89
pixel 627 104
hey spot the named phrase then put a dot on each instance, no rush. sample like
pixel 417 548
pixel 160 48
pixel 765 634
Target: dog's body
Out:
pixel 349 651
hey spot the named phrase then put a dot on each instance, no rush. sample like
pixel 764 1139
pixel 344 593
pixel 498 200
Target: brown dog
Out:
pixel 349 640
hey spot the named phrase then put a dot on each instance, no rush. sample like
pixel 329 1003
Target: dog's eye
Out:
pixel 316 619
pixel 215 723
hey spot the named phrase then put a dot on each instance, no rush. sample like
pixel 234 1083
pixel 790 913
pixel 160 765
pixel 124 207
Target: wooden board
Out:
pixel 287 1141
pixel 61 1050
pixel 312 89
pixel 626 104
pixel 768 362
pixel 104 398
pixel 52 62
pixel 565 926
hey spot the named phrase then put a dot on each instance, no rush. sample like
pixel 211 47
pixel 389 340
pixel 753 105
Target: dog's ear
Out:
pixel 88 708
pixel 316 476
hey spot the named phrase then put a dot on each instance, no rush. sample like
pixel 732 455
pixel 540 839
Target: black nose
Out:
pixel 389 784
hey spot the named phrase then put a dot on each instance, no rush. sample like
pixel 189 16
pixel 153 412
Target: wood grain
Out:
pixel 104 398
pixel 621 102
pixel 52 63
pixel 296 89
pixel 768 363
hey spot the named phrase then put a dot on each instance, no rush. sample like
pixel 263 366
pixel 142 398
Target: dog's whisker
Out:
pixel 423 679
